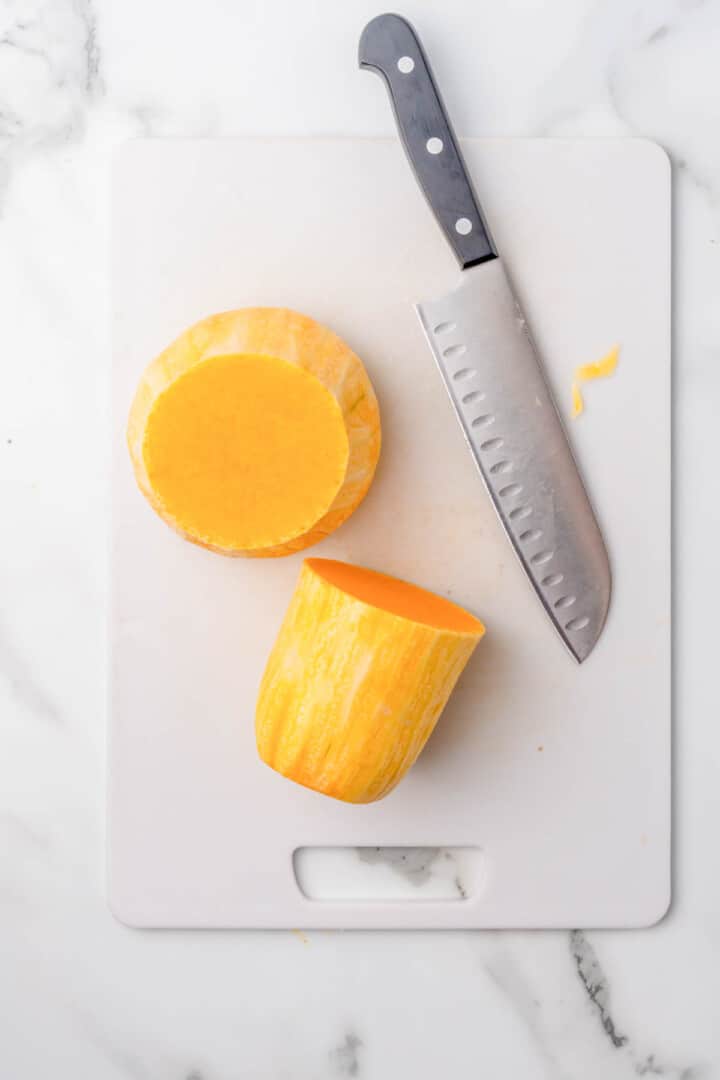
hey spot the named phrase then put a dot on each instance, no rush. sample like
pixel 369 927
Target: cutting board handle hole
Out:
pixel 418 874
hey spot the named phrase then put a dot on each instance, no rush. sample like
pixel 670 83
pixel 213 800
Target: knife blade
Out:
pixel 489 364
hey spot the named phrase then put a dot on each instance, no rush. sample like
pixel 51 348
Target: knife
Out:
pixel 489 364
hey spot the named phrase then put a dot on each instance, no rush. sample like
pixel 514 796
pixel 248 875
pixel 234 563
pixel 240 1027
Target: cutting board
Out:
pixel 556 776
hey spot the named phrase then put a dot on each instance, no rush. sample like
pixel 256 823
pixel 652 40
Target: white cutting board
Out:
pixel 558 774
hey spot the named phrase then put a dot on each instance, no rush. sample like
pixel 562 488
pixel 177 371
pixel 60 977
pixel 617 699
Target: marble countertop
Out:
pixel 83 996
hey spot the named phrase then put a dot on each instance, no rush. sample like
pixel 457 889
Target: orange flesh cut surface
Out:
pixel 246 451
pixel 396 597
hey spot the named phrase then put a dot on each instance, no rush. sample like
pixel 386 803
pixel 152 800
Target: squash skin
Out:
pixel 299 340
pixel 351 692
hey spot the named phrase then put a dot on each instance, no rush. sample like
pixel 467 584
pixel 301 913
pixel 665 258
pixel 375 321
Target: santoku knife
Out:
pixel 486 356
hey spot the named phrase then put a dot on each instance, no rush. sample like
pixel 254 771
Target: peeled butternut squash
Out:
pixel 255 433
pixel 357 679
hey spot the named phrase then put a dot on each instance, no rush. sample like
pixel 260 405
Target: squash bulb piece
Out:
pixel 256 432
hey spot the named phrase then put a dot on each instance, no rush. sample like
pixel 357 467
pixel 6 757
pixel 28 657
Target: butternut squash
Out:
pixel 358 677
pixel 256 433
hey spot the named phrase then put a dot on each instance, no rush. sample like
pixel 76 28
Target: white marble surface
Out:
pixel 81 996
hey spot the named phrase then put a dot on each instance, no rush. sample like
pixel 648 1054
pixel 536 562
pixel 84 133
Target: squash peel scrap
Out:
pixel 599 369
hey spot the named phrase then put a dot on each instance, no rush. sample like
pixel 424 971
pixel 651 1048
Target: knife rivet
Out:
pixel 463 225
pixel 406 64
pixel 434 145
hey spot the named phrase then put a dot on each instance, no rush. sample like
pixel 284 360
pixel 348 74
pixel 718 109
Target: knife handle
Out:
pixel 390 46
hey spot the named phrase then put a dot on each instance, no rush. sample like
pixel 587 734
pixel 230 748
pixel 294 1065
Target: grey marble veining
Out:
pixel 82 996
pixel 597 987
pixel 346 1056
pixel 418 865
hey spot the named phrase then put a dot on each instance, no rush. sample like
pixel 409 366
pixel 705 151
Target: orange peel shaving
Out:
pixel 599 369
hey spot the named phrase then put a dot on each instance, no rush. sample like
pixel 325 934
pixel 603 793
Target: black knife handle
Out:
pixel 391 47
